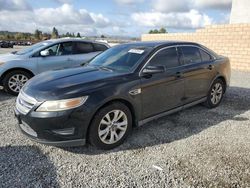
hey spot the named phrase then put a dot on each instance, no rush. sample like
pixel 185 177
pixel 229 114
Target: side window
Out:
pixel 83 48
pixel 190 55
pixel 167 57
pixel 65 48
pixel 100 47
pixel 52 50
pixel 205 56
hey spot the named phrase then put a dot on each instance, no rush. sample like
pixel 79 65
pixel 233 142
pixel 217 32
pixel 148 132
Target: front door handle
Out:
pixel 178 75
pixel 69 59
pixel 210 67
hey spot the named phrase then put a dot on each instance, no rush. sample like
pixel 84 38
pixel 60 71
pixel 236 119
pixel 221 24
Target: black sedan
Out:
pixel 6 44
pixel 127 85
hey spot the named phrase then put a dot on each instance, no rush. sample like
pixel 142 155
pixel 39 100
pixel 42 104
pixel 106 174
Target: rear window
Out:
pixel 205 56
pixel 191 55
pixel 100 47
pixel 83 48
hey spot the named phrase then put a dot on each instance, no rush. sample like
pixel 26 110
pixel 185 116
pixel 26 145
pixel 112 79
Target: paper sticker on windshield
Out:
pixel 136 51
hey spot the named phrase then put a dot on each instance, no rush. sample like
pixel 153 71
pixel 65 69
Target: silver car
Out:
pixel 18 67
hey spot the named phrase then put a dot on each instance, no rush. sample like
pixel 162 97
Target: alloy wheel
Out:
pixel 16 82
pixel 216 93
pixel 113 126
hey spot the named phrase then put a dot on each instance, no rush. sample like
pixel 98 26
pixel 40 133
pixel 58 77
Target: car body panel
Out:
pixel 37 65
pixel 147 96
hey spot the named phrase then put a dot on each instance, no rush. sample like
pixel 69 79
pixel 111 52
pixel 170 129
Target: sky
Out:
pixel 112 17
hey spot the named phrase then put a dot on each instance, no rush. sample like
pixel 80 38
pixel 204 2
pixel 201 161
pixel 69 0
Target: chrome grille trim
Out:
pixel 25 103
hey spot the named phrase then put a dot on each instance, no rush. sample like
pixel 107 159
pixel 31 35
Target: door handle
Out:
pixel 69 59
pixel 178 75
pixel 210 67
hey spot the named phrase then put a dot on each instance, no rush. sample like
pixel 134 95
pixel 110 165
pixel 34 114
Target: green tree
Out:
pixel 162 30
pixel 54 34
pixel 78 35
pixel 156 31
pixel 38 34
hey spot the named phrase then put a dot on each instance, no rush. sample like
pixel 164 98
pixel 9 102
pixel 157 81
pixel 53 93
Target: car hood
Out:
pixel 67 83
pixel 10 57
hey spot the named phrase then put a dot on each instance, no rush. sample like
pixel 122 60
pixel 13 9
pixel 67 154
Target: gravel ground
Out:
pixel 197 147
pixel 8 50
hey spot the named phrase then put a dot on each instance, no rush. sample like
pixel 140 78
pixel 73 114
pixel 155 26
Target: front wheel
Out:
pixel 110 126
pixel 14 81
pixel 215 94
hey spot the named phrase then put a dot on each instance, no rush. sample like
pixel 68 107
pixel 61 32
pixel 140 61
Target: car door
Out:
pixel 83 52
pixel 59 57
pixel 198 72
pixel 162 91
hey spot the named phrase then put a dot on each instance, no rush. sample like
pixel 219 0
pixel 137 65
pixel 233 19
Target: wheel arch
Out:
pixel 123 101
pixel 15 69
pixel 222 78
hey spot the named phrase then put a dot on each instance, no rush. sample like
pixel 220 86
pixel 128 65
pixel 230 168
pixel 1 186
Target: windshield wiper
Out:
pixel 106 68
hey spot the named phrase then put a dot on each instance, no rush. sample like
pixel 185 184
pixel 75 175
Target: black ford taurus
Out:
pixel 127 85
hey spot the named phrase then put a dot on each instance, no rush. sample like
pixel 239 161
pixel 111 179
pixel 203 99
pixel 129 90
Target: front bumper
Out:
pixel 67 128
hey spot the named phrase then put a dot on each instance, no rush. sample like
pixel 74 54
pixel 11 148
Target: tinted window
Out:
pixel 83 48
pixel 65 48
pixel 205 56
pixel 191 55
pixel 100 47
pixel 167 57
pixel 121 58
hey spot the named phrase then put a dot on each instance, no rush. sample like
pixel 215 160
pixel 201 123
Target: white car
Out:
pixel 18 67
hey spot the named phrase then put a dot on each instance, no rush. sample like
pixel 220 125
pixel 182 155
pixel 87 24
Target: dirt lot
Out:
pixel 8 50
pixel 197 147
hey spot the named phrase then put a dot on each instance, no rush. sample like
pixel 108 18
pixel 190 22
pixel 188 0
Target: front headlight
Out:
pixel 1 63
pixel 60 105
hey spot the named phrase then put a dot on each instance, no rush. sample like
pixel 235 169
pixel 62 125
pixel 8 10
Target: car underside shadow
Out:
pixel 183 124
pixel 26 166
pixel 5 96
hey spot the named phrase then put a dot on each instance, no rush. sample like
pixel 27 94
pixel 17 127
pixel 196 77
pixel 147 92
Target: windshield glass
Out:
pixel 33 47
pixel 121 58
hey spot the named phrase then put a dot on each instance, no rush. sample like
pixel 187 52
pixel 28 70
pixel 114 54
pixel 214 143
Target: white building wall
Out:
pixel 240 11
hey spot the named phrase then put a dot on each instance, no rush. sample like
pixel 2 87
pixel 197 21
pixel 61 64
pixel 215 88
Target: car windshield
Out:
pixel 121 58
pixel 33 47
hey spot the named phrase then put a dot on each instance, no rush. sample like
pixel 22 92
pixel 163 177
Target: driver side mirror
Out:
pixel 149 70
pixel 44 53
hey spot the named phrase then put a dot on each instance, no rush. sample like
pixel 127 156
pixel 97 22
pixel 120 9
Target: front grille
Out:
pixel 25 103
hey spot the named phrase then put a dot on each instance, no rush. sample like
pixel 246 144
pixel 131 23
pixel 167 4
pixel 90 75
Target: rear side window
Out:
pixel 83 48
pixel 205 56
pixel 65 48
pixel 100 47
pixel 190 55
pixel 167 57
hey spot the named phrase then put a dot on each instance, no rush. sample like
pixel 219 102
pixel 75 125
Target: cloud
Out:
pixel 64 17
pixel 187 20
pixel 168 6
pixel 171 5
pixel 63 1
pixel 128 2
pixel 14 5
pixel 213 4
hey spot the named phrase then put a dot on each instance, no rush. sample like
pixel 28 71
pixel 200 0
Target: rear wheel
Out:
pixel 215 94
pixel 110 126
pixel 15 80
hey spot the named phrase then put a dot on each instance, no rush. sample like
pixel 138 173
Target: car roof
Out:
pixel 155 44
pixel 74 40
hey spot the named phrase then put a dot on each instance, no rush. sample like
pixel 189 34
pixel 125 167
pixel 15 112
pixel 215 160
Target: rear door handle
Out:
pixel 178 75
pixel 210 67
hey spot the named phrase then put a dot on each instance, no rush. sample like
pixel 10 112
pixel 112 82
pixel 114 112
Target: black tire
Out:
pixel 209 102
pixel 7 78
pixel 93 136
